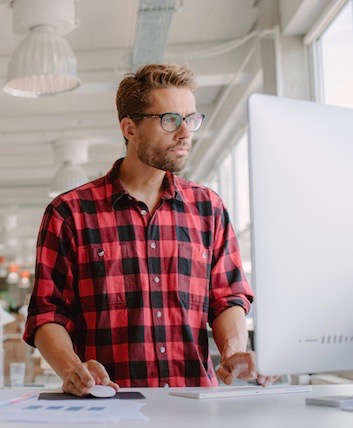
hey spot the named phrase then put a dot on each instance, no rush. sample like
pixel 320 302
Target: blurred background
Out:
pixel 58 133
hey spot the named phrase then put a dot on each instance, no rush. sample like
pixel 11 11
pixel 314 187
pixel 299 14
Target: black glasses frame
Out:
pixel 147 116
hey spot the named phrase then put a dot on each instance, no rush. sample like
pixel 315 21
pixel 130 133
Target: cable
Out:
pixel 213 51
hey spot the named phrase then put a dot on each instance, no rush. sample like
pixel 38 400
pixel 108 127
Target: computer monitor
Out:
pixel 301 192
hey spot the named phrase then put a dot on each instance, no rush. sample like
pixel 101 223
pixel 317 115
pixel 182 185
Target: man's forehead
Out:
pixel 177 97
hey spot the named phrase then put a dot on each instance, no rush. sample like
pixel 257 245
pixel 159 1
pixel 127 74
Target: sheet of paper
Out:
pixel 77 411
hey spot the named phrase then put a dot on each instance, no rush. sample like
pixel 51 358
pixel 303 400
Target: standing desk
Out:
pixel 277 411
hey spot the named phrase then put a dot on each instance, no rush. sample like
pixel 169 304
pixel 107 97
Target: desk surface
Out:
pixel 288 410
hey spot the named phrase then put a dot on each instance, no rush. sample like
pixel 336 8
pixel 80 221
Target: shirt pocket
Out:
pixel 194 267
pixel 101 280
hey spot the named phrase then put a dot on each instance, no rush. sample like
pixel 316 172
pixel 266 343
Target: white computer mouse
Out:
pixel 102 391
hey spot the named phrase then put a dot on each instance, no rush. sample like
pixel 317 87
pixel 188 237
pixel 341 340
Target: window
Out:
pixel 241 168
pixel 242 198
pixel 226 181
pixel 230 179
pixel 333 59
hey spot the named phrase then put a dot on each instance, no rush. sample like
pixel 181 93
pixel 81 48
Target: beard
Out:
pixel 160 157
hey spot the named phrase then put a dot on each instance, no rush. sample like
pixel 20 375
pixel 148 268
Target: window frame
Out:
pixel 313 43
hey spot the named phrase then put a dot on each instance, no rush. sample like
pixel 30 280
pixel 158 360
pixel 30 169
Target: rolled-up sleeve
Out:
pixel 52 298
pixel 229 285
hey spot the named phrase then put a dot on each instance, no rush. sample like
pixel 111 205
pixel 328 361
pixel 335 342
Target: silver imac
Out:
pixel 301 191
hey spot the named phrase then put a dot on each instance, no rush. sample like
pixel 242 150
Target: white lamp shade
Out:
pixel 43 64
pixel 8 238
pixel 68 177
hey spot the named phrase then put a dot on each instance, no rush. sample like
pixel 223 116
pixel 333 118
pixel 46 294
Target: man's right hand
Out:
pixel 82 376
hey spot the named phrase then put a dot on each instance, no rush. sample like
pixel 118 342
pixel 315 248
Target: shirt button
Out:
pixel 153 245
pixel 156 279
pixel 204 255
pixel 162 349
pixel 101 253
pixel 158 314
pixel 143 212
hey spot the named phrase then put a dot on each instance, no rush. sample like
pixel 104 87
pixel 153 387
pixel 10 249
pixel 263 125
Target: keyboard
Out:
pixel 239 391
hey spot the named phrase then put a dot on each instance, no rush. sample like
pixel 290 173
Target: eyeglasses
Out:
pixel 170 122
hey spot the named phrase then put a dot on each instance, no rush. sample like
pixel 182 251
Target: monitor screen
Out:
pixel 301 191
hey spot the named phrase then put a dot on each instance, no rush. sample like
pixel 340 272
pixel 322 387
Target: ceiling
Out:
pixel 224 41
pixel 103 42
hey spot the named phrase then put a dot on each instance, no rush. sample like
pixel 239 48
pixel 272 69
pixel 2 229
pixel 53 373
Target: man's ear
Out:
pixel 128 128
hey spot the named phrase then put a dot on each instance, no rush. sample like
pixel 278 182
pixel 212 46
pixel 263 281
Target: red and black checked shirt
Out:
pixel 135 290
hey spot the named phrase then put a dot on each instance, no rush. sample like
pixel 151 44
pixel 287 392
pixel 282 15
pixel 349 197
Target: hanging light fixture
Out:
pixel 43 63
pixel 68 177
pixel 8 230
pixel 71 154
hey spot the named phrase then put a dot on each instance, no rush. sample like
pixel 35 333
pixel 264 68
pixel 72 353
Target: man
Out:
pixel 132 266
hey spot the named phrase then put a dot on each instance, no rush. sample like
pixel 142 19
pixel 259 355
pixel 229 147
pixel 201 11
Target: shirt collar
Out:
pixel 118 190
pixel 114 185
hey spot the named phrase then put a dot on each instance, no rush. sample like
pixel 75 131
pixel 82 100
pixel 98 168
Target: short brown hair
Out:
pixel 133 93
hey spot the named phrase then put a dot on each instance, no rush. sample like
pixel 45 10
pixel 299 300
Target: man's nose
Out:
pixel 183 131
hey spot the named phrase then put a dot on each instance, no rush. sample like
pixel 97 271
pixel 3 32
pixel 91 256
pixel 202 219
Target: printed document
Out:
pixel 73 411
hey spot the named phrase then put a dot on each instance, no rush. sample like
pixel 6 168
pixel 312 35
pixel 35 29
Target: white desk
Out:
pixel 289 411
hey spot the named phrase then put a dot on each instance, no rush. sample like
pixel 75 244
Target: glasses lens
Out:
pixel 194 121
pixel 171 121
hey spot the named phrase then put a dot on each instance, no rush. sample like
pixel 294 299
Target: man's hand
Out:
pixel 82 376
pixel 242 365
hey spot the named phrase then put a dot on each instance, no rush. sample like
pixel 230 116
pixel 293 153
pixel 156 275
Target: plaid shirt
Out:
pixel 135 290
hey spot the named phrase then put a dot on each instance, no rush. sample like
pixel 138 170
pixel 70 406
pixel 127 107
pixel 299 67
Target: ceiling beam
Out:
pixel 297 16
pixel 101 66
